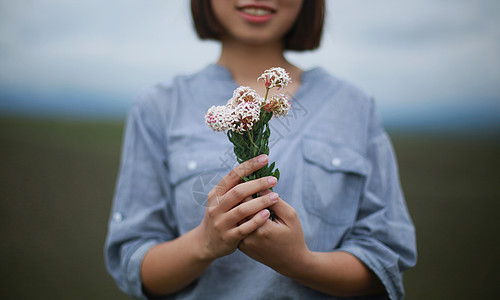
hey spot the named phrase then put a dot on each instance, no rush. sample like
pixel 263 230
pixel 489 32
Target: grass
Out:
pixel 57 182
pixel 58 178
pixel 453 194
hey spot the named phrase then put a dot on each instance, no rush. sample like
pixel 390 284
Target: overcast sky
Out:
pixel 413 56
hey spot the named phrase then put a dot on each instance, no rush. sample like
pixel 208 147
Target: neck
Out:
pixel 247 62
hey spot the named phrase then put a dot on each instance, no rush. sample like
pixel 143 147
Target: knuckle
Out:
pixel 220 187
pixel 218 227
pixel 212 194
pixel 264 182
pixel 223 239
pixel 261 233
pixel 239 210
pixel 240 232
pixel 210 211
pixel 246 168
pixel 257 224
pixel 235 172
pixel 216 192
pixel 248 244
pixel 236 193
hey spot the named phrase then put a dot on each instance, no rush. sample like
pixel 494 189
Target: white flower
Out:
pixel 244 108
pixel 221 118
pixel 247 113
pixel 275 77
pixel 279 105
pixel 244 94
pixel 240 118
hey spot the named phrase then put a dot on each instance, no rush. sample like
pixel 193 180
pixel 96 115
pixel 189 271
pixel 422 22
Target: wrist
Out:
pixel 300 266
pixel 200 250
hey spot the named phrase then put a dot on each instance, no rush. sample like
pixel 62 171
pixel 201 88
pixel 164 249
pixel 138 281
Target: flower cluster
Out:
pixel 244 94
pixel 221 118
pixel 278 105
pixel 245 119
pixel 275 77
pixel 246 107
pixel 240 113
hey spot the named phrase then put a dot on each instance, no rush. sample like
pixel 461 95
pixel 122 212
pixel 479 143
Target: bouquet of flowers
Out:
pixel 246 118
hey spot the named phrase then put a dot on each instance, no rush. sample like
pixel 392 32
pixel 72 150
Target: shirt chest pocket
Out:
pixel 333 181
pixel 192 175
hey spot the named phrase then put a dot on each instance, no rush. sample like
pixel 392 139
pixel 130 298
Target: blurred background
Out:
pixel 69 71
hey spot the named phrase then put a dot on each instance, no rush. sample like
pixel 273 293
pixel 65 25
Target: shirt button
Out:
pixel 192 165
pixel 336 162
pixel 117 217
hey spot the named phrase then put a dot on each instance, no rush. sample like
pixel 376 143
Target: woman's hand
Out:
pixel 231 213
pixel 170 266
pixel 280 243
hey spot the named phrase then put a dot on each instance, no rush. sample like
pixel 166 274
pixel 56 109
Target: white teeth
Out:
pixel 254 11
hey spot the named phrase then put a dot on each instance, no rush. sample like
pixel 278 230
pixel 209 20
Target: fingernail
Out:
pixel 272 180
pixel 262 158
pixel 273 196
pixel 265 213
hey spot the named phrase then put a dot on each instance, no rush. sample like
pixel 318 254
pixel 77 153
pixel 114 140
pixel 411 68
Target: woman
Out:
pixel 342 227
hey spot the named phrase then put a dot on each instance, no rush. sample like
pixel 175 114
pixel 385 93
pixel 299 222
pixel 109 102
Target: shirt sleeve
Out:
pixel 383 235
pixel 141 216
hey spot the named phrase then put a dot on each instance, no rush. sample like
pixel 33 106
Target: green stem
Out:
pixel 250 135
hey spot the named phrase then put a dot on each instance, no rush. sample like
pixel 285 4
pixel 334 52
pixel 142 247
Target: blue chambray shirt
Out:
pixel 337 167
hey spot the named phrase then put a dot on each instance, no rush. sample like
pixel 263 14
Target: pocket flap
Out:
pixel 334 158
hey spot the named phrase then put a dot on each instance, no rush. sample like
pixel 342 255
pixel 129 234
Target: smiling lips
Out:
pixel 254 14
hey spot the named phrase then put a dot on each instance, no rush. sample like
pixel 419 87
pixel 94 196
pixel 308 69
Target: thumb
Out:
pixel 284 211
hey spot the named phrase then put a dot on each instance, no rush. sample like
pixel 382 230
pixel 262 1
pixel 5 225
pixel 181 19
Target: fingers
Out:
pixel 251 225
pixel 242 170
pixel 284 211
pixel 238 193
pixel 265 192
pixel 261 193
pixel 241 213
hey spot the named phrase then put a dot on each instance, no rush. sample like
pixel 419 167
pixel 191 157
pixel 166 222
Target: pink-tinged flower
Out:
pixel 221 118
pixel 275 77
pixel 244 94
pixel 279 105
pixel 247 113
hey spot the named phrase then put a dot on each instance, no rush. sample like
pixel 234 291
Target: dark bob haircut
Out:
pixel 305 34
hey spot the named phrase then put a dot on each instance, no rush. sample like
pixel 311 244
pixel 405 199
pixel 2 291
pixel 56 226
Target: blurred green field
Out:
pixel 57 181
